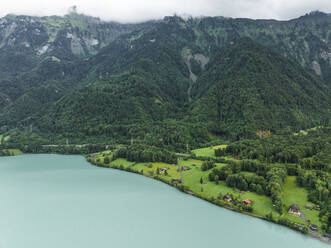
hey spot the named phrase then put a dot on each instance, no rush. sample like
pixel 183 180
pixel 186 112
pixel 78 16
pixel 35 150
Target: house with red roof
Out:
pixel 247 202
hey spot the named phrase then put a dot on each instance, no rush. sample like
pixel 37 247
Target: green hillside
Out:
pixel 248 87
pixel 78 76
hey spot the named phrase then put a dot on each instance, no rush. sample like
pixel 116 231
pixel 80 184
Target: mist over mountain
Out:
pixel 133 11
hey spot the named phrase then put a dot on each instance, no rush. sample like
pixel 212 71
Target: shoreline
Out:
pixel 310 234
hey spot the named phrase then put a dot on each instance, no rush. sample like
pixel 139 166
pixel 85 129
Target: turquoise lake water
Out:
pixel 53 201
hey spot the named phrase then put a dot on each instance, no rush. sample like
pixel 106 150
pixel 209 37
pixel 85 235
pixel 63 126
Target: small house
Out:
pixel 300 227
pixel 309 207
pixel 163 170
pixel 295 210
pixel 227 198
pixel 185 168
pixel 313 227
pixel 247 202
pixel 175 181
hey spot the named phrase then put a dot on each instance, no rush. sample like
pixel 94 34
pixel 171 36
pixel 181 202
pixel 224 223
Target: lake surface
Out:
pixel 64 202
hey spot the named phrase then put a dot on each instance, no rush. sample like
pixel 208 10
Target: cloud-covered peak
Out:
pixel 142 10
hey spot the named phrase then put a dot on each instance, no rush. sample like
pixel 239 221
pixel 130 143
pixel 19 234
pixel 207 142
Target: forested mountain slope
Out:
pixel 248 87
pixel 77 74
pixel 45 56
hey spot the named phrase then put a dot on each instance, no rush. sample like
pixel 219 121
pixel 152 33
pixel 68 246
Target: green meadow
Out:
pixel 262 205
pixel 295 195
pixel 13 152
pixel 3 138
pixel 208 151
pixel 196 182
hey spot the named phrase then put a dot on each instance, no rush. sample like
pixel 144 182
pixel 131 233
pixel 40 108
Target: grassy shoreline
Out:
pixel 209 191
pixel 206 191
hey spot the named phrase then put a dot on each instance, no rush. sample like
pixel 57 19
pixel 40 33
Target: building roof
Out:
pixel 246 201
pixel 294 207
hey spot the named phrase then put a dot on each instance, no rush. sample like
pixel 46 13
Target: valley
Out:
pixel 234 111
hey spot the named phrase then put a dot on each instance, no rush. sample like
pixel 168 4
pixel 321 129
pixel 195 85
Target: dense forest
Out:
pixel 175 83
pixel 311 150
pixel 235 96
pixel 305 155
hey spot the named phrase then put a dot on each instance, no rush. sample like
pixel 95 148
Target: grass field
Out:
pixel 14 152
pixel 192 179
pixel 295 195
pixel 148 169
pixel 121 161
pixel 3 138
pixel 262 204
pixel 208 151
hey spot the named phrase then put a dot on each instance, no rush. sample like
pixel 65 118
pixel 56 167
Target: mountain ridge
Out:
pixel 167 57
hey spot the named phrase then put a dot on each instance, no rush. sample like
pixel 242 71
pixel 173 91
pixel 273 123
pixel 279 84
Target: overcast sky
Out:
pixel 141 10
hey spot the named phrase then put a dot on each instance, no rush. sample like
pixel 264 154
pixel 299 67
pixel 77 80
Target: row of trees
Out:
pixel 318 184
pixel 276 177
pixel 141 153
pixel 207 165
pixel 317 181
pixel 264 179
pixel 60 149
pixel 175 135
pixel 311 151
pixel 246 182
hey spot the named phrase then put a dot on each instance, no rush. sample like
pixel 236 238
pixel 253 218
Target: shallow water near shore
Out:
pixel 64 202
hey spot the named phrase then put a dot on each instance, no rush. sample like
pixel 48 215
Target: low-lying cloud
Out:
pixel 142 10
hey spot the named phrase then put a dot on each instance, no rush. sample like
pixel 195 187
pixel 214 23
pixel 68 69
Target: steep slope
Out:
pixel 248 87
pixel 126 99
pixel 307 39
pixel 77 75
pixel 133 80
pixel 244 88
pixel 42 58
pixel 37 51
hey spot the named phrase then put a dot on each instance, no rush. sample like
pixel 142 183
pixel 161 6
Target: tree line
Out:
pixel 142 153
pixel 254 176
pixel 311 151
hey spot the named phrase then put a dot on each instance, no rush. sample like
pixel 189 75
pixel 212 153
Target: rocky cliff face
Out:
pixel 306 39
pixel 78 35
pixel 35 50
